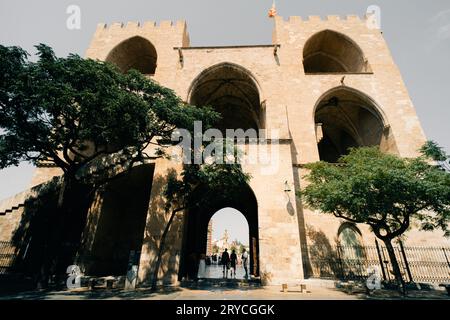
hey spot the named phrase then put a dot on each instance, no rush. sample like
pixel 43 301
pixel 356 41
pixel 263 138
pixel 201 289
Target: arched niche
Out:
pixel 346 118
pixel 333 52
pixel 233 92
pixel 134 53
pixel 349 235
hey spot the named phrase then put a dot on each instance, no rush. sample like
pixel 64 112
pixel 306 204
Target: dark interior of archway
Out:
pixel 231 92
pixel 332 52
pixel 347 121
pixel 135 53
pixel 120 228
pixel 196 226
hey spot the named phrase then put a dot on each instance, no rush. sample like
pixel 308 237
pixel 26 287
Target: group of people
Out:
pixel 229 262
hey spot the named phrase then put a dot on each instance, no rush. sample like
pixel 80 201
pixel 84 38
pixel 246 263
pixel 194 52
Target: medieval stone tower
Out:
pixel 323 85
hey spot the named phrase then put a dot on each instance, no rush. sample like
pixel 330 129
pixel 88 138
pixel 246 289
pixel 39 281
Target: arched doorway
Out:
pixel 332 52
pixel 227 230
pixel 346 118
pixel 134 53
pixel 116 222
pixel 195 235
pixel 233 92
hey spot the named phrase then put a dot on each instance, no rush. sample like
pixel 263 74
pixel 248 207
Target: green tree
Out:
pixel 69 111
pixel 385 191
pixel 432 150
pixel 77 113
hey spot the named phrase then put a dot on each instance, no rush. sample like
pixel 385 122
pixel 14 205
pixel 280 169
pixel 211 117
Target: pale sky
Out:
pixel 234 222
pixel 417 32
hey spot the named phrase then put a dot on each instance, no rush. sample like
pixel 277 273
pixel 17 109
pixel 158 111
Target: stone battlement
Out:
pixel 146 26
pixel 348 20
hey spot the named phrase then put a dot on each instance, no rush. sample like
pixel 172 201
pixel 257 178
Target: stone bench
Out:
pixel 284 288
pixel 102 282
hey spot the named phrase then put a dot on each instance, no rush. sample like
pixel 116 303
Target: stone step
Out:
pixel 221 283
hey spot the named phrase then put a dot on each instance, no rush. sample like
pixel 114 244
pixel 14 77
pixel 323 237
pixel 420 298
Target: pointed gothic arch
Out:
pixel 134 53
pixel 232 91
pixel 346 118
pixel 332 52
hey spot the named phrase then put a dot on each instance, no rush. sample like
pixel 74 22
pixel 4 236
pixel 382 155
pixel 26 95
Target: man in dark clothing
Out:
pixel 233 261
pixel 225 262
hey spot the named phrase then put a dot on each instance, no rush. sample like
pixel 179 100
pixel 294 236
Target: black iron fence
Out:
pixel 7 256
pixel 417 264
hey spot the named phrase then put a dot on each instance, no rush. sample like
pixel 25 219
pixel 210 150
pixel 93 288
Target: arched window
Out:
pixel 332 52
pixel 134 53
pixel 351 251
pixel 349 235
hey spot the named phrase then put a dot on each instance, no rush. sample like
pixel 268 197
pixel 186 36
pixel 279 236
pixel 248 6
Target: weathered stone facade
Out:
pixel 288 105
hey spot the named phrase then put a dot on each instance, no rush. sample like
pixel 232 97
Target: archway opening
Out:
pixel 228 231
pixel 134 53
pixel 231 91
pixel 344 119
pixel 115 229
pixel 239 216
pixel 332 52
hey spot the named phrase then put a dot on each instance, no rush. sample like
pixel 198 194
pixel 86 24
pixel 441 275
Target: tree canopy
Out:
pixel 384 191
pixel 68 111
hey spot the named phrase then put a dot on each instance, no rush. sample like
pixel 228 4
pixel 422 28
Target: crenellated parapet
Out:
pixel 346 20
pixel 148 26
pixel 163 35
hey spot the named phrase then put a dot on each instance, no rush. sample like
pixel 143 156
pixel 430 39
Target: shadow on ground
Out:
pixel 98 294
pixel 396 295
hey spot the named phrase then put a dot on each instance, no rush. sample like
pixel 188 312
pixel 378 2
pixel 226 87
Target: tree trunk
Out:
pixel 395 266
pixel 161 249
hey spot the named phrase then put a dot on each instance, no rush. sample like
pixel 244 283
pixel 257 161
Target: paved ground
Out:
pixel 316 290
pixel 215 271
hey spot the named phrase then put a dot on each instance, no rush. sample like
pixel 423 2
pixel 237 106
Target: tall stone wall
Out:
pixel 289 98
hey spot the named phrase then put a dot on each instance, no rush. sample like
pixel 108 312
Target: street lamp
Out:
pixel 287 188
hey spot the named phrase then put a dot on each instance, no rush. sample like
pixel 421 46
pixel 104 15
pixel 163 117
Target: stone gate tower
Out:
pixel 322 86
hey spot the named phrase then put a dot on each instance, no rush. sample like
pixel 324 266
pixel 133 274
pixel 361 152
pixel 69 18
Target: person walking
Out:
pixel 244 258
pixel 201 274
pixel 225 262
pixel 233 260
